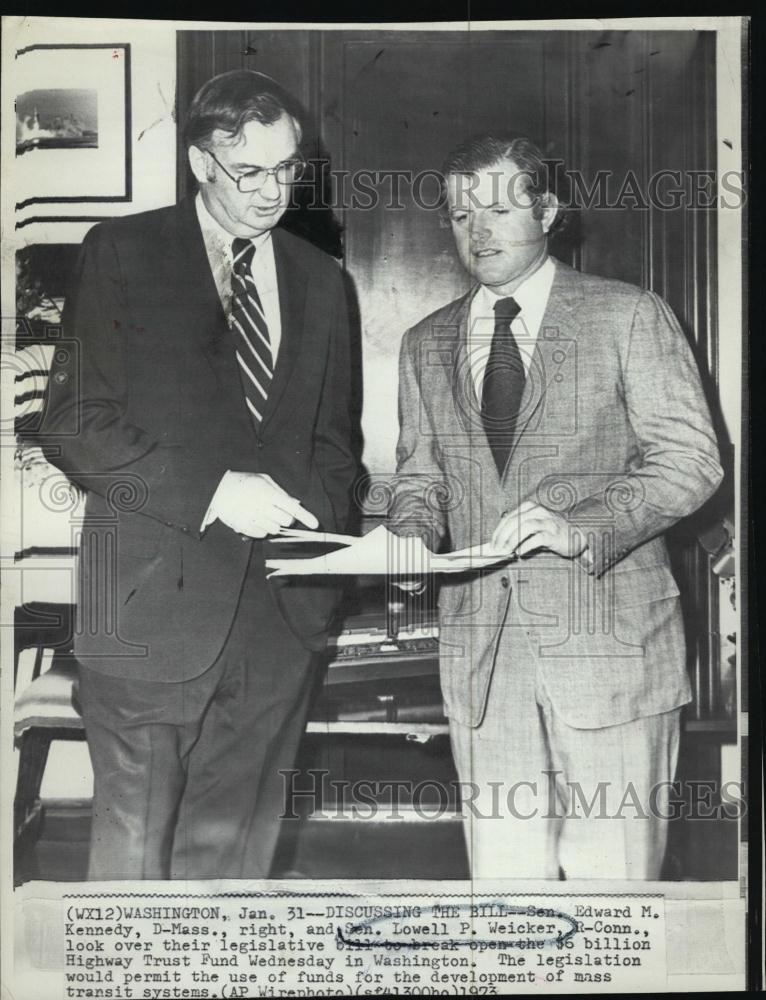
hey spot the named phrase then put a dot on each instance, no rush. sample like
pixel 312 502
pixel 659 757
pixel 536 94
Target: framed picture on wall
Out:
pixel 73 124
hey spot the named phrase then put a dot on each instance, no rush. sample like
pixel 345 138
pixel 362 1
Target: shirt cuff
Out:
pixel 585 559
pixel 410 586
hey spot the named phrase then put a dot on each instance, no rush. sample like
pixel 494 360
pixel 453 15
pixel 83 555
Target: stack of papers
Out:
pixel 378 553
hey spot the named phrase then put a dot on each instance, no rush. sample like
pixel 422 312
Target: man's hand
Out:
pixel 253 504
pixel 530 527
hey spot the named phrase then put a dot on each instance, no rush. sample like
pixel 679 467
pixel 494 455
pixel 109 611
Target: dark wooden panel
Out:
pixel 201 55
pixel 644 105
pixel 609 119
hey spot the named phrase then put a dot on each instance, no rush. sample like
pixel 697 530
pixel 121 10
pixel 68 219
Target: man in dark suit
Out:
pixel 205 407
pixel 562 418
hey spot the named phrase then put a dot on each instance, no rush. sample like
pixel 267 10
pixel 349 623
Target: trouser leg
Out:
pixel 230 813
pixel 186 775
pixel 138 733
pixel 613 784
pixel 547 796
pixel 511 830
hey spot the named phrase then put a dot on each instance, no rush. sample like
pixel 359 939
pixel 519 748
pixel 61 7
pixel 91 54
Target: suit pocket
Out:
pixel 319 503
pixel 307 610
pixel 642 585
pixel 452 597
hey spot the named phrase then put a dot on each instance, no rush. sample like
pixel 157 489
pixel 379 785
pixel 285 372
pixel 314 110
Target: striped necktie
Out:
pixel 248 322
pixel 503 385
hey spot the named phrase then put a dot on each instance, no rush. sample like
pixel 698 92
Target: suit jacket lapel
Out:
pixel 186 256
pixel 292 282
pixel 462 391
pixel 200 313
pixel 547 368
pixel 450 338
pixel 554 342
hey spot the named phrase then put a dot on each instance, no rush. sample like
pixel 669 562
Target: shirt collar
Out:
pixel 214 234
pixel 531 291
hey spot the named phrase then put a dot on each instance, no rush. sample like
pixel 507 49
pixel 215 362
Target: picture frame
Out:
pixel 73 125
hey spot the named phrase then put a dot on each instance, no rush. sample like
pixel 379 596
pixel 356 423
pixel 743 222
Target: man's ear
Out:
pixel 198 164
pixel 550 210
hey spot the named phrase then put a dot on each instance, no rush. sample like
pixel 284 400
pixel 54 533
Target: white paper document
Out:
pixel 379 553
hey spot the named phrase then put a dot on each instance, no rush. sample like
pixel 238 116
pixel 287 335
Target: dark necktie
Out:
pixel 503 384
pixel 248 323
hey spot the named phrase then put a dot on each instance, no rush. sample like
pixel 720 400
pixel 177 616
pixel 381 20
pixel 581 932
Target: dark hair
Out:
pixel 231 100
pixel 482 151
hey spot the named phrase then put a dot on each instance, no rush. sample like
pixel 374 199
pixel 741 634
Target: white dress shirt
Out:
pixel 264 269
pixel 532 296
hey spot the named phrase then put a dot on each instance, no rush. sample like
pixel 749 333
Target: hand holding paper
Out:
pixel 253 504
pixel 379 553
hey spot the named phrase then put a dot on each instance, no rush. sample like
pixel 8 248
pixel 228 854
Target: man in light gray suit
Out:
pixel 559 417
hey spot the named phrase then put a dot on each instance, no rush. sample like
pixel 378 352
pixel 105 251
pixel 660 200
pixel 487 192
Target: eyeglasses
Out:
pixel 285 173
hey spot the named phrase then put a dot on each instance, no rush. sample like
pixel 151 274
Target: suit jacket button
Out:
pixel 260 443
pixel 505 582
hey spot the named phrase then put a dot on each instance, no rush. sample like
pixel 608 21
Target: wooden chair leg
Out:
pixel 34 747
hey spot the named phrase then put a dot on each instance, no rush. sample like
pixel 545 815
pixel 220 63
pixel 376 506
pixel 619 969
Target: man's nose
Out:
pixel 271 190
pixel 480 232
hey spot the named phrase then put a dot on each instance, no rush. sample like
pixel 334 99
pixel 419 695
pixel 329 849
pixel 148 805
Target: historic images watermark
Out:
pixel 666 189
pixel 547 796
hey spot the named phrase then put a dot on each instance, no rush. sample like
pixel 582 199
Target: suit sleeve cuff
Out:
pixel 211 514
